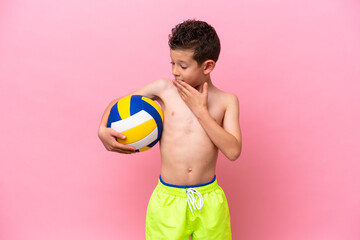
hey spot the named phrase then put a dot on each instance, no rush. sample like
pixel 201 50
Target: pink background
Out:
pixel 293 64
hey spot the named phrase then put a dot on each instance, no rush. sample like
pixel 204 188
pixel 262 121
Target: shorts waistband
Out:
pixel 179 190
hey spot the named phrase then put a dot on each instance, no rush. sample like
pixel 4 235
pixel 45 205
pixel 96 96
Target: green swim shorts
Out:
pixel 178 212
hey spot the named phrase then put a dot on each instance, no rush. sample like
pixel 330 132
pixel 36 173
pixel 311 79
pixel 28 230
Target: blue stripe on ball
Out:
pixel 135 104
pixel 153 143
pixel 113 115
pixel 155 114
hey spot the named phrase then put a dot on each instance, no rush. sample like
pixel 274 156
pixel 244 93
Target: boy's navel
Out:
pixel 172 113
pixel 190 170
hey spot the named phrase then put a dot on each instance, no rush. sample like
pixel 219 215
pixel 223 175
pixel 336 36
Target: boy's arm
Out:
pixel 108 135
pixel 227 138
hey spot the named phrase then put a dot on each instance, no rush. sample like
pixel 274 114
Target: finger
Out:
pixel 177 84
pixel 124 152
pixel 127 148
pixel 118 151
pixel 186 88
pixel 117 134
pixel 205 89
pixel 115 145
pixel 181 90
pixel 131 150
pixel 182 95
pixel 184 84
pixel 201 88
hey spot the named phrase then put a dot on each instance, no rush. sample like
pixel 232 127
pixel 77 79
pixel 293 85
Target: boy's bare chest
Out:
pixel 177 112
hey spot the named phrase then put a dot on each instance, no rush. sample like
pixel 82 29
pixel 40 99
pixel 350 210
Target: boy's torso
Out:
pixel 188 156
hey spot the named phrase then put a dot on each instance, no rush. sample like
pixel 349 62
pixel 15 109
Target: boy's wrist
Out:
pixel 202 113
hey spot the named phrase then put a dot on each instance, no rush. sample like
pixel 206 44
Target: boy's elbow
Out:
pixel 235 154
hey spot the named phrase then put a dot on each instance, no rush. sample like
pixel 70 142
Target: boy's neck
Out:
pixel 209 82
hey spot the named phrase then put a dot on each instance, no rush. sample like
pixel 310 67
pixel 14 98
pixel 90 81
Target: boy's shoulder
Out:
pixel 225 97
pixel 162 83
pixel 154 88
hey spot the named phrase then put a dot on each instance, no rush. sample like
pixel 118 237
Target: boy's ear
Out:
pixel 208 66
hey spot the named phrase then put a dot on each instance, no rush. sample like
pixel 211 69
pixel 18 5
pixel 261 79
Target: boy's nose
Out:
pixel 175 72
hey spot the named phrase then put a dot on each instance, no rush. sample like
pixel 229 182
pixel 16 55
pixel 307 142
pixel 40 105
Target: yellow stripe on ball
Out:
pixel 139 132
pixel 144 149
pixel 124 107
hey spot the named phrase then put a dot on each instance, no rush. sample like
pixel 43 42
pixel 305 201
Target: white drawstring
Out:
pixel 192 201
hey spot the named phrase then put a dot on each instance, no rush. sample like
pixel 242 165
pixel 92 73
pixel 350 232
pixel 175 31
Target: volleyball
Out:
pixel 140 119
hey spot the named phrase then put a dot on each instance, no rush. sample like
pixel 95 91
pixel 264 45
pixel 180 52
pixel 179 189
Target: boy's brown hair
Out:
pixel 198 36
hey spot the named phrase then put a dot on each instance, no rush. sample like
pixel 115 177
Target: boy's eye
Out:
pixel 183 67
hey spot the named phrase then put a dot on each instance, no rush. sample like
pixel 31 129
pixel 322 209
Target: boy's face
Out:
pixel 185 68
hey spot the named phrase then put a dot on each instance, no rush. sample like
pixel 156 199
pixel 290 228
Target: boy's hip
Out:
pixel 182 191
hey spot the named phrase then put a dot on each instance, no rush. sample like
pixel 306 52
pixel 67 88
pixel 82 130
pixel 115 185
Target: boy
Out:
pixel 199 120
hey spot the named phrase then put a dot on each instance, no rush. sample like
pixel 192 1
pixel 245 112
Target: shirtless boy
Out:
pixel 199 120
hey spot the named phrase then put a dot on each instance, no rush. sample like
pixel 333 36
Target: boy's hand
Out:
pixel 195 100
pixel 108 137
